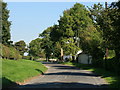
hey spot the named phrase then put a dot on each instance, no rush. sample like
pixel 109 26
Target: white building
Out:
pixel 84 58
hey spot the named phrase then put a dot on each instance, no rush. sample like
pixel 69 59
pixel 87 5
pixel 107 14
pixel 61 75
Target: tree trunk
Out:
pixel 106 54
pixel 73 58
pixel 46 57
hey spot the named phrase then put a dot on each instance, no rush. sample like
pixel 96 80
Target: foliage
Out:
pixel 74 31
pixel 5 51
pixel 115 17
pixel 9 52
pixel 71 23
pixel 14 54
pixel 47 44
pixel 35 48
pixel 18 71
pixel 57 50
pixel 5 25
pixel 69 46
pixel 55 33
pixel 65 24
pixel 21 47
pixel 111 54
pixel 91 42
pixel 107 19
pixel 77 24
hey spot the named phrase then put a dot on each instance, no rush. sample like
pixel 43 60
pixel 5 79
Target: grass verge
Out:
pixel 110 77
pixel 20 70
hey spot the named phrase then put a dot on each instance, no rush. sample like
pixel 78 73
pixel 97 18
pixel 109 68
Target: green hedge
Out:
pixel 9 52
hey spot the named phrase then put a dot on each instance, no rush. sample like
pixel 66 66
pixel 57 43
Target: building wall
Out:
pixel 84 59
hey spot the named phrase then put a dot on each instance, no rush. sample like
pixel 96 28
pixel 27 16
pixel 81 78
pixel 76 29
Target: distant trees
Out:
pixel 35 48
pixel 21 47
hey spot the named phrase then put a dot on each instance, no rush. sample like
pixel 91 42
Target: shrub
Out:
pixel 5 51
pixel 9 52
pixel 14 54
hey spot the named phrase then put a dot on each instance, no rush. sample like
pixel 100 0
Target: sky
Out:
pixel 29 19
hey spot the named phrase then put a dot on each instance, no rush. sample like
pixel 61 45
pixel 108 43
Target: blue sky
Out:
pixel 29 19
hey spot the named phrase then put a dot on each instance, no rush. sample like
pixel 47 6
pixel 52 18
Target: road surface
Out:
pixel 63 76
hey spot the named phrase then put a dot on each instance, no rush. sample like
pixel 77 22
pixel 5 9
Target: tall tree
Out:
pixel 72 24
pixel 55 33
pixel 107 19
pixel 91 42
pixel 21 47
pixel 35 48
pixel 115 18
pixel 46 42
pixel 5 25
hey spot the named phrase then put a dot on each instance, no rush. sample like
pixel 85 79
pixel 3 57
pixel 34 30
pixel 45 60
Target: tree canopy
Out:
pixel 6 36
pixel 35 48
pixel 21 47
pixel 107 19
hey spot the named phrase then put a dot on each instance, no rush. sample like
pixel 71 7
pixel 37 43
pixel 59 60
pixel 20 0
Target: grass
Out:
pixel 110 77
pixel 20 70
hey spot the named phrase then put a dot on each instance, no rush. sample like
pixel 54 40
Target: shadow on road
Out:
pixel 66 67
pixel 62 85
pixel 68 72
pixel 73 73
pixel 48 62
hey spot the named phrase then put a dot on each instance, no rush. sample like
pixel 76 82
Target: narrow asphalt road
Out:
pixel 63 76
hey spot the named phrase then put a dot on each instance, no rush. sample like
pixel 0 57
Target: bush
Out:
pixel 9 52
pixel 14 54
pixel 5 51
